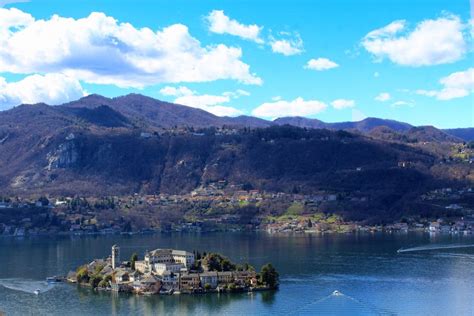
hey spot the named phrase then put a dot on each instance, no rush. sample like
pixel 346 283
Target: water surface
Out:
pixel 366 268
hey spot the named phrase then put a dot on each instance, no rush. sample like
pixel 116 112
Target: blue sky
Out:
pixel 333 60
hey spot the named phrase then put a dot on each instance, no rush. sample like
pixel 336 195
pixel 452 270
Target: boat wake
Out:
pixel 435 247
pixel 27 286
pixel 339 295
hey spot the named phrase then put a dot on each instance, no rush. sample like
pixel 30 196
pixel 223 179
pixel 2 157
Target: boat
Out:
pixel 336 293
pixel 53 279
pixel 37 292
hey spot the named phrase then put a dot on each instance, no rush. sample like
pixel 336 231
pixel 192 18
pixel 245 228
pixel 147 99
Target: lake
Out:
pixel 366 269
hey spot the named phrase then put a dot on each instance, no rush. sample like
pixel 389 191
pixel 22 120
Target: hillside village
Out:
pixel 171 271
pixel 219 207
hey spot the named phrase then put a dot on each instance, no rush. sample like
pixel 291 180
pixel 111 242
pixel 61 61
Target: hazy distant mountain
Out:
pixel 364 126
pixel 466 134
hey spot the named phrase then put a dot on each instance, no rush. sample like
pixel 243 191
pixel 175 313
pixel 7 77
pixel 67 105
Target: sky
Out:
pixel 334 60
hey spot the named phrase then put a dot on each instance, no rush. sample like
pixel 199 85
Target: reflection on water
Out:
pixel 366 269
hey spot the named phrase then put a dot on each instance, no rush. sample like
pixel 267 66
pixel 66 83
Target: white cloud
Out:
pixel 173 91
pixel 207 102
pixel 297 107
pixel 98 49
pixel 320 64
pixel 291 45
pixel 456 85
pixel 432 42
pixel 340 104
pixel 5 2
pixel 237 93
pixel 383 96
pixel 221 24
pixel 402 103
pixel 51 89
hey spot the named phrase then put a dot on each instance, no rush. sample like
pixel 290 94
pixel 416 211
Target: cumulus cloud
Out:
pixel 176 91
pixel 432 42
pixel 289 44
pixel 207 102
pixel 98 49
pixel 221 24
pixel 456 85
pixel 383 96
pixel 296 107
pixel 320 64
pixel 340 104
pixel 51 89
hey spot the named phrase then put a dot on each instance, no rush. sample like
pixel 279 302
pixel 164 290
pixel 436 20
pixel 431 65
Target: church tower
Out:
pixel 115 256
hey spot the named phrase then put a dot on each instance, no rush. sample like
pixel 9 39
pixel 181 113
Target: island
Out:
pixel 171 271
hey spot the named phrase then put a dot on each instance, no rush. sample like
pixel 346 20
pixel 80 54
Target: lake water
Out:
pixel 366 268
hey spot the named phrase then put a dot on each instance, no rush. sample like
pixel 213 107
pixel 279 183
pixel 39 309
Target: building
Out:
pixel 184 257
pixel 209 278
pixel 142 266
pixel 160 268
pixel 189 282
pixel 121 276
pixel 169 281
pixel 224 278
pixel 115 256
pixel 169 256
pixel 245 278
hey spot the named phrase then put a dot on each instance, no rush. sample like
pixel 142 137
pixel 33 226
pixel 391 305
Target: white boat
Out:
pixel 336 293
pixel 37 292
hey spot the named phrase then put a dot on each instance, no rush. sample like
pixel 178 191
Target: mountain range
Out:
pixel 136 144
pixel 143 111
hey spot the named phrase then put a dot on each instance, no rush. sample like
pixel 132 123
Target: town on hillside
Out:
pixel 220 206
pixel 171 271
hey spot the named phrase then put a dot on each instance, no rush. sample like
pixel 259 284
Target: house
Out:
pixel 245 278
pixel 147 283
pixel 169 281
pixel 121 276
pixel 142 266
pixel 209 278
pixel 224 277
pixel 434 227
pixel 189 282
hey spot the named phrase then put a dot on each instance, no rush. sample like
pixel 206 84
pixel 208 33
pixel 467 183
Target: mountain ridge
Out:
pixel 143 111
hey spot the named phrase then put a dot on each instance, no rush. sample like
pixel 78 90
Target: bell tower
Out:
pixel 115 256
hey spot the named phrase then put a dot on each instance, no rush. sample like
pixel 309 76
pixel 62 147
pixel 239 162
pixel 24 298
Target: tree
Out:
pixel 95 280
pixel 207 286
pixel 82 275
pixel 133 259
pixel 248 267
pixel 269 276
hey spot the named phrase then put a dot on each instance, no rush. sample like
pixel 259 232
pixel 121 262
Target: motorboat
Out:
pixel 53 279
pixel 37 292
pixel 336 293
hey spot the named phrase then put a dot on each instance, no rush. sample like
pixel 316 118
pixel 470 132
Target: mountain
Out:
pixel 365 125
pixel 430 134
pixel 114 146
pixel 466 134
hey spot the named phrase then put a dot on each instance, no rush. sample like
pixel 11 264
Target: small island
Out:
pixel 171 271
